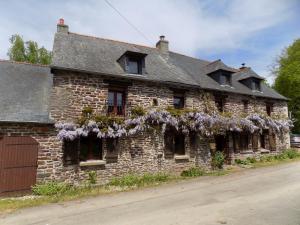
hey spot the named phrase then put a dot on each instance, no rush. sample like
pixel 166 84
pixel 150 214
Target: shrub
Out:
pixel 51 188
pixel 87 111
pixel 268 158
pixel 193 172
pixel 251 160
pixel 92 179
pixel 138 111
pixel 291 153
pixel 241 162
pixel 218 160
pixel 247 161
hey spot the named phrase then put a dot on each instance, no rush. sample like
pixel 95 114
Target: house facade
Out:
pixel 115 108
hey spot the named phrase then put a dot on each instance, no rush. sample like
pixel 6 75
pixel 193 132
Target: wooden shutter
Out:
pixel 255 142
pixel 71 152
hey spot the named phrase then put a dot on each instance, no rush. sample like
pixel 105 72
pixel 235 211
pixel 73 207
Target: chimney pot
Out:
pixel 62 27
pixel 61 21
pixel 162 37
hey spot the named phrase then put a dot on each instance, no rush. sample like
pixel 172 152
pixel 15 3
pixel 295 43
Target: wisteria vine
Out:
pixel 205 124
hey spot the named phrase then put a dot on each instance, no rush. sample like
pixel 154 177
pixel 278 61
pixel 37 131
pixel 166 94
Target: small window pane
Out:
pixel 119 103
pixel 133 66
pixel 111 98
pixel 222 79
pixel 256 85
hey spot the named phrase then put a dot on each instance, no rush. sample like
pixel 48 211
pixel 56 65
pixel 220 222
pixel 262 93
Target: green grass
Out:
pixel 54 192
pixel 286 156
pixel 133 180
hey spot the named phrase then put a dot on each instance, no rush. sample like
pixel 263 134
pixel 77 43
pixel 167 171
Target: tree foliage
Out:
pixel 287 80
pixel 28 51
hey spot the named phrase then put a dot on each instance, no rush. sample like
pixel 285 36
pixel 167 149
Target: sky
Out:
pixel 254 32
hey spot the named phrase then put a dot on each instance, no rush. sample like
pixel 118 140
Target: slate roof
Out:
pixel 24 92
pixel 247 72
pixel 99 56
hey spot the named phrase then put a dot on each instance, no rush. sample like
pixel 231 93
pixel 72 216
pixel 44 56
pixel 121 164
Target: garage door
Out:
pixel 18 163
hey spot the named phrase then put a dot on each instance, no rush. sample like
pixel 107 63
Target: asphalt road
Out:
pixel 253 197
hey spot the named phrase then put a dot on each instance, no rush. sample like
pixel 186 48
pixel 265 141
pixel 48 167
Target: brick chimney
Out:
pixel 163 45
pixel 61 27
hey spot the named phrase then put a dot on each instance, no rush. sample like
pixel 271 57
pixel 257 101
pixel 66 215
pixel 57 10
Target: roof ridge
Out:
pixel 190 56
pixel 107 39
pixel 217 60
pixel 22 63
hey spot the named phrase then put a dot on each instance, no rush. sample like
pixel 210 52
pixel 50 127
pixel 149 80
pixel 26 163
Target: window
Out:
pixel 178 101
pixel 256 85
pixel 70 150
pixel 244 141
pixel 246 105
pixel 225 79
pixel 82 149
pixel 134 65
pixel 219 104
pixel 116 103
pixel 240 141
pixel 90 148
pixel 112 144
pixel 269 108
pixel 175 143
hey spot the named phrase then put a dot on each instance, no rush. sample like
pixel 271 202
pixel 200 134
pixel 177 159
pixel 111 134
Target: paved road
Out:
pixel 253 197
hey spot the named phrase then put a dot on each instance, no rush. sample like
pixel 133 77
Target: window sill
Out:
pixel 181 157
pixel 245 152
pixel 92 163
pixel 264 151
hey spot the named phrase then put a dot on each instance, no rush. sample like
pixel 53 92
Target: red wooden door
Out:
pixel 18 163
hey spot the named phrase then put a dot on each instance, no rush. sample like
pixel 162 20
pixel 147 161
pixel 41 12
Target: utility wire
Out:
pixel 131 24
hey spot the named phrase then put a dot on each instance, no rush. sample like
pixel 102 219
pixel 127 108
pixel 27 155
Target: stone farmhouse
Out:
pixel 114 108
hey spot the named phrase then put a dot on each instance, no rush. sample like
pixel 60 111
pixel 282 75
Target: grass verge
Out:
pixel 53 192
pixel 288 155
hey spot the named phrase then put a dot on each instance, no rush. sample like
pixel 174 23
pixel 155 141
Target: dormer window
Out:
pixel 225 79
pixel 222 77
pixel 133 62
pixel 255 85
pixel 134 65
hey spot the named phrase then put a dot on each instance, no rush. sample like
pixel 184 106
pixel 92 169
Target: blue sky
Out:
pixel 251 31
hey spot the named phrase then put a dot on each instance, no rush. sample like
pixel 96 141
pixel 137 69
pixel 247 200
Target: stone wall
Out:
pixel 139 154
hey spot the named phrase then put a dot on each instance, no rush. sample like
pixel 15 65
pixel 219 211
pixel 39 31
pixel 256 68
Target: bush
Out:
pixel 51 188
pixel 131 180
pixel 92 179
pixel 193 172
pixel 291 153
pixel 251 159
pixel 241 162
pixel 218 160
pixel 247 161
pixel 138 111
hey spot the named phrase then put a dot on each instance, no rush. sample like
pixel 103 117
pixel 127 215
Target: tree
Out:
pixel 17 50
pixel 287 80
pixel 28 51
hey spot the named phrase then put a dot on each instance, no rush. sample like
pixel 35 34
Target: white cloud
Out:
pixel 190 26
